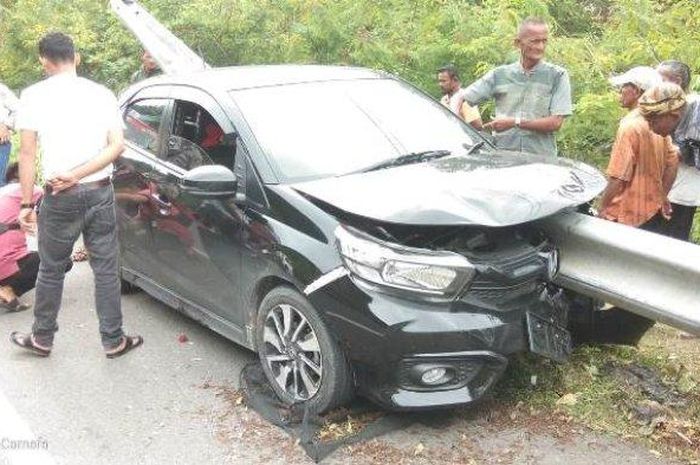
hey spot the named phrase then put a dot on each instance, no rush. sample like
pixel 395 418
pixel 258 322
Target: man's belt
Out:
pixel 104 182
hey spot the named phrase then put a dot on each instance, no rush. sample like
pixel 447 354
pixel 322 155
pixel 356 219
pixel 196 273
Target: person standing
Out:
pixel 533 97
pixel 633 83
pixel 453 98
pixel 149 68
pixel 642 165
pixel 685 194
pixel 78 124
pixel 8 107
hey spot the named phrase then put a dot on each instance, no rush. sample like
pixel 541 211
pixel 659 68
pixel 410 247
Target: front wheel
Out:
pixel 301 360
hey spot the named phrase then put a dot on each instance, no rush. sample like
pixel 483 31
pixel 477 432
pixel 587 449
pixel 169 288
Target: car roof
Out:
pixel 248 77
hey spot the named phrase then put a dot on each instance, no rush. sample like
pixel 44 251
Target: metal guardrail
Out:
pixel 648 274
pixel 171 54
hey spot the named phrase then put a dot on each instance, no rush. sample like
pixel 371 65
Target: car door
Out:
pixel 196 237
pixel 146 117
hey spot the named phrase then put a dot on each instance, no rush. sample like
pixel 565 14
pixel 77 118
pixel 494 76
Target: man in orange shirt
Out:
pixel 641 171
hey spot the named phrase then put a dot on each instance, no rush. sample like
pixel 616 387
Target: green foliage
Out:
pixel 411 38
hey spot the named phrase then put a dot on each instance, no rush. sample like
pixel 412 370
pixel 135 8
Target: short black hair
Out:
pixel 12 172
pixel 451 71
pixel 57 47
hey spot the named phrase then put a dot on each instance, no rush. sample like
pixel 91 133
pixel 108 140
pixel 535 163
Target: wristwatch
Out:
pixel 517 121
pixel 26 205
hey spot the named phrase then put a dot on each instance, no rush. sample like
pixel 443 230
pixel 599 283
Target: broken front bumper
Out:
pixel 411 354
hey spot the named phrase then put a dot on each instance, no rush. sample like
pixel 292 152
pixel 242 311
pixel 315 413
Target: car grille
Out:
pixel 514 274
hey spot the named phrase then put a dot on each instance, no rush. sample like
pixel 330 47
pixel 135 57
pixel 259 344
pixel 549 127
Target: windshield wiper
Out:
pixel 475 147
pixel 406 159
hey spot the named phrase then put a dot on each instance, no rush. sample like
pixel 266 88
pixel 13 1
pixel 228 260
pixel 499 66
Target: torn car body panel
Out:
pixel 488 189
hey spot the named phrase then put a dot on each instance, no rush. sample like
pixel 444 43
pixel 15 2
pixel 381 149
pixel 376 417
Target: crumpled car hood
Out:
pixel 489 189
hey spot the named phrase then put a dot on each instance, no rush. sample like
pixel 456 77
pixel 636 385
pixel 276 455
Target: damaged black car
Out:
pixel 345 226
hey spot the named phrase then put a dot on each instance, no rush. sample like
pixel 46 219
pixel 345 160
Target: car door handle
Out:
pixel 164 206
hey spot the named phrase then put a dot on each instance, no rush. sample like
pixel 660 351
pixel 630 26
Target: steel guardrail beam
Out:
pixel 648 274
pixel 172 54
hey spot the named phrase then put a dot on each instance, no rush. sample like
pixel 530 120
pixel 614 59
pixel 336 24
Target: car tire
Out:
pixel 289 364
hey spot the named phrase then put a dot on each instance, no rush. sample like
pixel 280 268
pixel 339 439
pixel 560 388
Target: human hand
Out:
pixel 666 209
pixel 27 220
pixel 500 124
pixel 62 182
pixel 5 134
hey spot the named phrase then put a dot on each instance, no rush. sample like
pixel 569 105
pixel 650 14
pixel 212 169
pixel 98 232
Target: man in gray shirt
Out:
pixel 532 96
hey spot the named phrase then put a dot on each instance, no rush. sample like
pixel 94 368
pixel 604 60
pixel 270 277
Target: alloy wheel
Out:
pixel 292 352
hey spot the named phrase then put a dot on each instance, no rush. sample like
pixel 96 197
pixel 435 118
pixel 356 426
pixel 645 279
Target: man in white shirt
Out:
pixel 685 194
pixel 8 107
pixel 78 125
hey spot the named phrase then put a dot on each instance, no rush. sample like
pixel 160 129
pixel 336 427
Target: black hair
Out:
pixel 12 172
pixel 57 47
pixel 451 71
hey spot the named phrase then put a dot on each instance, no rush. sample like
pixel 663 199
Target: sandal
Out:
pixel 26 341
pixel 13 306
pixel 128 343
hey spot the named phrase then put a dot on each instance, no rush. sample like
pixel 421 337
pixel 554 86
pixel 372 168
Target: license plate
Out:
pixel 547 339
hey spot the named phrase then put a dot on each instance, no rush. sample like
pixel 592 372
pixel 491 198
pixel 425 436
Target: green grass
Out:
pixel 586 390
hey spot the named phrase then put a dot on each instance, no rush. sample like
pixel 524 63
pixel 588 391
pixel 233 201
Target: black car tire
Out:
pixel 336 385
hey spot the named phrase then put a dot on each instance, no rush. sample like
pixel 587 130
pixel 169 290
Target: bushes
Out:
pixel 411 38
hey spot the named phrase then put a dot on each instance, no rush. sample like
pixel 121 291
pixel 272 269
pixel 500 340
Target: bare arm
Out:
pixel 614 188
pixel 547 124
pixel 27 164
pixel 114 148
pixel 27 173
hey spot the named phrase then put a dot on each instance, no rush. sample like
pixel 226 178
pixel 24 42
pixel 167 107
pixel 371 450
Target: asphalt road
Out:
pixel 174 402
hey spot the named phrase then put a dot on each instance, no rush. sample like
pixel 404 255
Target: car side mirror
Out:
pixel 210 181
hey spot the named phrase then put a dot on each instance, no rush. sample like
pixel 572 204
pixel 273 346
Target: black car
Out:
pixel 347 227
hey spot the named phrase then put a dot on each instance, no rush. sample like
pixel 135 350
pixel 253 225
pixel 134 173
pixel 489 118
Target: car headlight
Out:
pixel 420 270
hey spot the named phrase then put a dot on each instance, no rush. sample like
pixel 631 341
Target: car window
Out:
pixel 142 120
pixel 332 128
pixel 197 139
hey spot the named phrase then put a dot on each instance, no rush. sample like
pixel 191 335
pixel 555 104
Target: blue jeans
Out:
pixel 62 218
pixel 5 150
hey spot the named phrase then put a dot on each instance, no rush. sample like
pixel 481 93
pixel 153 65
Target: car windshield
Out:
pixel 321 129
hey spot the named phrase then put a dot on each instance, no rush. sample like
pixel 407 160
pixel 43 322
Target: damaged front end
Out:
pixel 456 302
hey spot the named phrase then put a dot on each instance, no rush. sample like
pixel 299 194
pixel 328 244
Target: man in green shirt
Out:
pixel 532 96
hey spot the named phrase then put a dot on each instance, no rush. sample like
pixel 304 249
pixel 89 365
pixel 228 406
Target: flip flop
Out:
pixel 26 341
pixel 13 306
pixel 130 342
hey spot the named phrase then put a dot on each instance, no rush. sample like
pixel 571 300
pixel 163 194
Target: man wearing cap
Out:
pixel 642 164
pixel 632 84
pixel 533 97
pixel 685 194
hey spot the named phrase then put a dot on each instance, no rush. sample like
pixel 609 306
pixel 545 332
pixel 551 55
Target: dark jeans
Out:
pixel 25 279
pixel 90 211
pixel 681 222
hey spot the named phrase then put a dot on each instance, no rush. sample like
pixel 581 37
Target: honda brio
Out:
pixel 345 226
